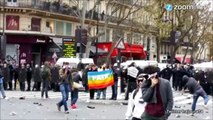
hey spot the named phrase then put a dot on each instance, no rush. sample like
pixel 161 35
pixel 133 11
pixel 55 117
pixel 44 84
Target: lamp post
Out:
pixel 96 42
pixel 3 38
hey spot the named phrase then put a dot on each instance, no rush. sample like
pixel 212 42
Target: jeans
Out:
pixel 2 90
pixel 103 93
pixel 196 95
pixel 114 90
pixel 64 88
pixel 45 85
pixel 74 96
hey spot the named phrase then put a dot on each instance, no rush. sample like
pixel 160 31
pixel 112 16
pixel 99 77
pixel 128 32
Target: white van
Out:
pixel 73 62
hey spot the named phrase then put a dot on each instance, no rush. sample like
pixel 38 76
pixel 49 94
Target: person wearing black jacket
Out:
pixel 195 88
pixel 166 73
pixel 132 73
pixel 16 75
pixel 29 77
pixel 178 74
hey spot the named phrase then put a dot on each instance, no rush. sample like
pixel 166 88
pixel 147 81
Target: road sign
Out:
pixel 120 44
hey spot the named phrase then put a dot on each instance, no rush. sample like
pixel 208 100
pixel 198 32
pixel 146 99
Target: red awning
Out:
pixel 136 51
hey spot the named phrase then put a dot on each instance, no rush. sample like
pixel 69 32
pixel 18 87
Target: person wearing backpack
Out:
pixel 45 75
pixel 135 103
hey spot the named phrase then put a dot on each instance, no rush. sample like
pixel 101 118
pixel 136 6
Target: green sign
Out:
pixel 69 48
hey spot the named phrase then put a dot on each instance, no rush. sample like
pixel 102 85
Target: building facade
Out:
pixel 34 28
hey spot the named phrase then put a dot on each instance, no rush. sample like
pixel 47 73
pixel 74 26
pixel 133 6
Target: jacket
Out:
pixel 149 94
pixel 135 108
pixel 191 84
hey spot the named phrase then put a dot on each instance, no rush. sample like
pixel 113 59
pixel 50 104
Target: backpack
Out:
pixel 45 74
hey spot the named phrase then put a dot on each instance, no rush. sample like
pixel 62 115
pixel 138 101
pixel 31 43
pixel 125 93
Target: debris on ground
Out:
pixel 13 113
pixel 125 103
pixel 91 107
pixel 177 116
pixel 22 98
pixel 39 104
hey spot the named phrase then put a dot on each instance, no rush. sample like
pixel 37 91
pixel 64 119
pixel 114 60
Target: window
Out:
pixel 47 24
pixel 102 37
pixel 68 30
pixel 59 28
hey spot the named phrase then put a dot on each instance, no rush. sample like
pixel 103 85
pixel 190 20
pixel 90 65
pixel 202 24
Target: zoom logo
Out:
pixel 169 7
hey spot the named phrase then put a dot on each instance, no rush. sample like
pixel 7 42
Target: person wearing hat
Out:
pixel 135 103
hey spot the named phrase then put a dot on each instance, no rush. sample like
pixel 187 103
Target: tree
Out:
pixel 123 11
pixel 178 21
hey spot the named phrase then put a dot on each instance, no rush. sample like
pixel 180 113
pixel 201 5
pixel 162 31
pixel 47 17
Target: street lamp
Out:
pixel 3 38
pixel 96 42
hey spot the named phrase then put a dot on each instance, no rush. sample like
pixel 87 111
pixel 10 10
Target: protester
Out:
pixel 197 91
pixel 157 92
pixel 29 77
pixel 135 103
pixel 22 77
pixel 37 78
pixel 6 73
pixel 92 91
pixel 1 85
pixel 46 77
pixel 76 77
pixel 64 86
pixel 102 90
pixel 132 72
pixel 55 77
pixel 16 75
pixel 116 71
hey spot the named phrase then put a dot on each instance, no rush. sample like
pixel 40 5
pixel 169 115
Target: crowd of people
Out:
pixel 61 78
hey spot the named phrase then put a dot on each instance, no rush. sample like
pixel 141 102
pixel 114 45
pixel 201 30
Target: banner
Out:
pixel 12 22
pixel 101 79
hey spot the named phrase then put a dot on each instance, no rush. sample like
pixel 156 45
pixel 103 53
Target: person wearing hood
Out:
pixel 195 88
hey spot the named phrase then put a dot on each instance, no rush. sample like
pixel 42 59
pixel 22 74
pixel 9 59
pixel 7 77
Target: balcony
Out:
pixel 55 6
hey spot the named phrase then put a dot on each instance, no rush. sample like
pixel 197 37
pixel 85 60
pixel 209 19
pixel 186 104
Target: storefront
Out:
pixel 27 48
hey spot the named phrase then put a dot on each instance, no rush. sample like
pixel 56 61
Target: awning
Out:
pixel 99 51
pixel 136 51
pixel 57 41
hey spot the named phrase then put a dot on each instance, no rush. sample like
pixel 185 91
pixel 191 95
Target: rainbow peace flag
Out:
pixel 100 79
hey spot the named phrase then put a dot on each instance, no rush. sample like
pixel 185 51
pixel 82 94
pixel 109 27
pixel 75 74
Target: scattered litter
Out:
pixel 13 113
pixel 188 97
pixel 177 116
pixel 125 103
pixel 91 107
pixel 22 98
pixel 40 104
pixel 189 103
